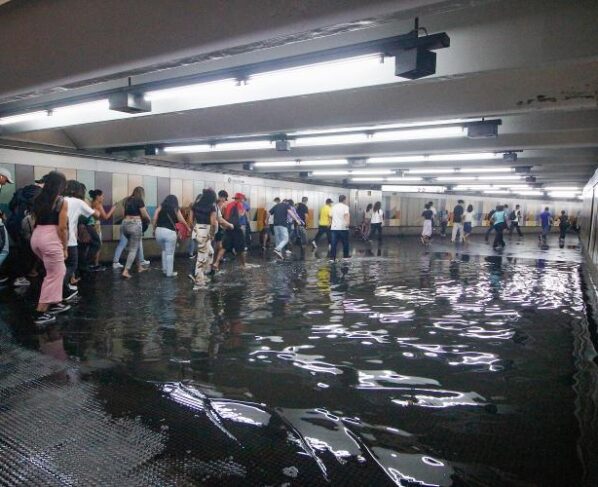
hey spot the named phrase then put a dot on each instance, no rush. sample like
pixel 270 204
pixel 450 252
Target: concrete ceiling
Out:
pixel 533 64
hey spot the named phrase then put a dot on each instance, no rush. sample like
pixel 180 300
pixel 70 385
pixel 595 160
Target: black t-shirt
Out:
pixel 202 214
pixel 51 217
pixel 133 206
pixel 428 214
pixel 302 211
pixel 167 218
pixel 280 212
pixel 458 214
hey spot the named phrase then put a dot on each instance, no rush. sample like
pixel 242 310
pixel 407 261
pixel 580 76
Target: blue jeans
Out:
pixel 122 244
pixel 166 239
pixel 4 250
pixel 281 236
pixel 343 236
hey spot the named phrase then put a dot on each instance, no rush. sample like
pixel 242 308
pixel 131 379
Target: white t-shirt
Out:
pixel 468 217
pixel 76 208
pixel 378 216
pixel 433 210
pixel 339 210
pixel 271 217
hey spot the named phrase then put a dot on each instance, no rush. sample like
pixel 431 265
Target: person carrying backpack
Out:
pixel 515 217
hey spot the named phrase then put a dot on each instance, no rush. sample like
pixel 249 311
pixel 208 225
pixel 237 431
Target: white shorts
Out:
pixel 427 228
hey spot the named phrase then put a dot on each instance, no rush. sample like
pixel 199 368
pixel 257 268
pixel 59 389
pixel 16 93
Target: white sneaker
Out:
pixel 174 274
pixel 21 281
pixel 314 245
pixel 117 265
pixel 288 252
pixel 145 262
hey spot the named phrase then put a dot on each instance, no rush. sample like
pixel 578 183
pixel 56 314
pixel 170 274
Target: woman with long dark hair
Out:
pixel 132 225
pixel 49 242
pixel 377 221
pixel 96 197
pixel 366 225
pixel 165 219
pixel 206 226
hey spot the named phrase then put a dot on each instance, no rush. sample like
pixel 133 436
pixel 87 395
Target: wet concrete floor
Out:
pixel 452 365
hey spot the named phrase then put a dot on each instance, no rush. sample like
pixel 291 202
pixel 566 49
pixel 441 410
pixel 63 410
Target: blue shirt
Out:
pixel 545 217
pixel 243 218
pixel 499 217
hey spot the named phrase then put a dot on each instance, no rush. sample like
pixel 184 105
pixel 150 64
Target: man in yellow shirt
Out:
pixel 324 224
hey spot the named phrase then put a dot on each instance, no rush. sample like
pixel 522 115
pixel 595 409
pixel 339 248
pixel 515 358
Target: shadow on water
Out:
pixel 409 367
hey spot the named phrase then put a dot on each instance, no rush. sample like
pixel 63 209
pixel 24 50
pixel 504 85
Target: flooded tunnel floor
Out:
pixel 446 366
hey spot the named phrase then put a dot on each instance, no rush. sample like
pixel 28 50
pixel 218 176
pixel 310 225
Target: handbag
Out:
pixel 181 230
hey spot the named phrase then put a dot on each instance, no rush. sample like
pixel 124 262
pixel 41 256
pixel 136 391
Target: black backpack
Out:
pixel 512 215
pixel 20 206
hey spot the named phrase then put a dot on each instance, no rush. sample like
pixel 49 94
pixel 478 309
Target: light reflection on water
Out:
pixel 377 364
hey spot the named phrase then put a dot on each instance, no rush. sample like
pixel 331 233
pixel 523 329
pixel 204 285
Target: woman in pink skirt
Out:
pixel 49 242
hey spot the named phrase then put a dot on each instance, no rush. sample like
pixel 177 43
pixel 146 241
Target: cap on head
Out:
pixel 6 173
pixel 239 196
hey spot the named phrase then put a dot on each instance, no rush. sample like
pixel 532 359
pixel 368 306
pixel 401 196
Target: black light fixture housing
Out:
pixel 129 102
pixel 484 129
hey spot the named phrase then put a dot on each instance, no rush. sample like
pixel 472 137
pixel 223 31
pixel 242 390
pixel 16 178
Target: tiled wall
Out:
pixel 117 180
pixel 589 218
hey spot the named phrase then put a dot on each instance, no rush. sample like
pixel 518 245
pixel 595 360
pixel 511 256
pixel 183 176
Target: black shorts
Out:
pixel 219 235
pixel 234 239
pixel 272 228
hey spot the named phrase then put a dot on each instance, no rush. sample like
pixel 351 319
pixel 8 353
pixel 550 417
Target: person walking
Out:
pixel 234 238
pixel 268 230
pixel 458 222
pixel 49 242
pixel 96 197
pixel 563 227
pixel 515 218
pixel 302 212
pixel 5 178
pixel 223 225
pixel 377 221
pixel 443 217
pixel 135 212
pixel 499 222
pixel 366 224
pixel 490 225
pixel 165 219
pixel 205 227
pixel 546 222
pixel 467 223
pixel 340 227
pixel 324 223
pixel 428 216
pixel 282 212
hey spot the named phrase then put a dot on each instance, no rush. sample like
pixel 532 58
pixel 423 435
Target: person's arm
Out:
pixel 294 217
pixel 225 223
pixel 155 220
pixel 213 224
pixel 330 218
pixel 145 214
pixel 347 218
pixel 63 231
pixel 179 216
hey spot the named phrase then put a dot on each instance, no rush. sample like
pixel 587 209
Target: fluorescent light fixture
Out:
pixel 391 179
pixel 357 172
pixel 23 117
pixel 472 187
pixel 486 169
pixel 331 173
pixel 430 171
pixel 456 178
pixel 395 159
pixel 497 191
pixel 530 193
pixel 563 194
pixel 275 164
pixel 562 188
pixel 419 134
pixel 475 156
pixel 181 149
pixel 324 162
pixel 392 188
pixel 202 90
pixel 505 178
pixel 363 172
pixel 245 145
pixel 359 138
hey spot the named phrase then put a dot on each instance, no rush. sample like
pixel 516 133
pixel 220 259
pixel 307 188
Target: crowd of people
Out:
pixel 54 229
pixel 500 219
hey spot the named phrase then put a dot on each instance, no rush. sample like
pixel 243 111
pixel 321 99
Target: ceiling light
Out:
pixel 456 178
pixel 372 171
pixel 562 188
pixel 486 169
pixel 332 172
pixel 391 188
pixel 405 179
pixel 275 164
pixel 203 90
pixel 358 172
pixel 419 134
pixel 497 191
pixel 475 156
pixel 395 159
pixel 391 179
pixel 506 178
pixel 472 187
pixel 244 145
pixel 563 194
pixel 359 138
pixel 530 193
pixel 23 117
pixel 176 149
pixel 430 171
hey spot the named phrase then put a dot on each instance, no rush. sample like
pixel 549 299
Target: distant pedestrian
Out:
pixel 499 222
pixel 324 223
pixel 515 218
pixel 443 218
pixel 546 222
pixel 377 221
pixel 563 227
pixel 427 215
pixel 340 227
pixel 366 224
pixel 458 222
pixel 468 222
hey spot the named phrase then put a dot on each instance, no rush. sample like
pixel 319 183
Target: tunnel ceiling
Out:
pixel 534 68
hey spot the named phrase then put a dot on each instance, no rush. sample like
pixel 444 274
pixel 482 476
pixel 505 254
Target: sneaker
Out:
pixel 199 288
pixel 145 262
pixel 174 274
pixel 117 265
pixel 3 280
pixel 288 252
pixel 72 287
pixel 71 295
pixel 191 277
pixel 314 245
pixel 44 318
pixel 278 254
pixel 21 281
pixel 193 256
pixel 58 308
